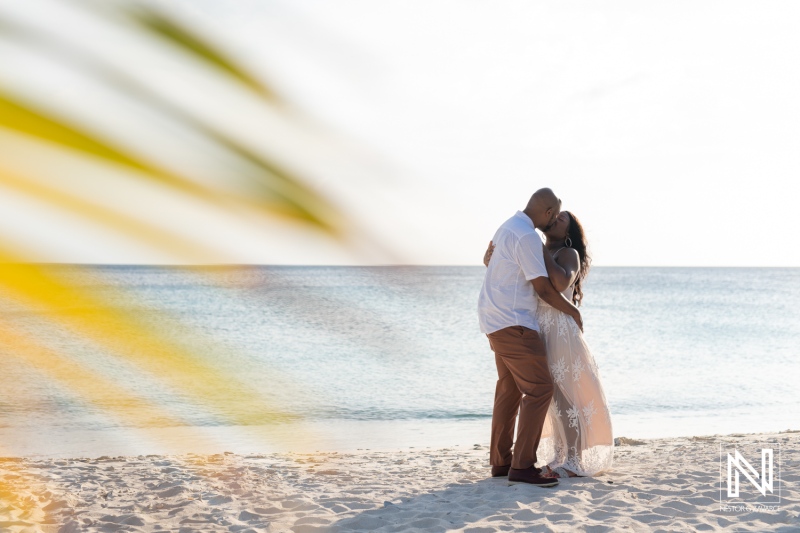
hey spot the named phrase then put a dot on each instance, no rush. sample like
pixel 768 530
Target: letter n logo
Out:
pixel 737 464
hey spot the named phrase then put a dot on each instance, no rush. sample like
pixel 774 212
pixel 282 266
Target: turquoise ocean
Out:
pixel 388 357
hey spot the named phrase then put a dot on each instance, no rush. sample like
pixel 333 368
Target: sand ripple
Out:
pixel 660 484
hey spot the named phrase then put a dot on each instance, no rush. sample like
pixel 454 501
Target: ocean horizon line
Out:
pixel 394 265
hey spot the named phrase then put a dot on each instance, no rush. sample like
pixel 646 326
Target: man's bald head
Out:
pixel 544 198
pixel 543 208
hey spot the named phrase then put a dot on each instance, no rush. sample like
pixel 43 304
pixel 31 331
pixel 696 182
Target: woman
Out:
pixel 576 437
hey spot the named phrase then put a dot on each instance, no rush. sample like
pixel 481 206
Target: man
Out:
pixel 507 315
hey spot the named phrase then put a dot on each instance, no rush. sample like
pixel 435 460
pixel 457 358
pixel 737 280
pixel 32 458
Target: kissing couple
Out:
pixel 528 308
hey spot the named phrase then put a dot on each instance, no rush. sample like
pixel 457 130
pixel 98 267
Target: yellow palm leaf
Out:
pixel 123 333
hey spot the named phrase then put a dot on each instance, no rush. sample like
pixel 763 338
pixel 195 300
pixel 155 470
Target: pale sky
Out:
pixel 670 129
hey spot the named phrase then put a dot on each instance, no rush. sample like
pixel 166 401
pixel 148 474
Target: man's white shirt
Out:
pixel 507 297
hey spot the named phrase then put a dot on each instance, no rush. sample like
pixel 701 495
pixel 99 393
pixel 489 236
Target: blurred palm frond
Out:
pixel 195 43
pixel 209 151
pixel 269 184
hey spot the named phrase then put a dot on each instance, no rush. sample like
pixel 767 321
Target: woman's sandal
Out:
pixel 563 472
pixel 559 472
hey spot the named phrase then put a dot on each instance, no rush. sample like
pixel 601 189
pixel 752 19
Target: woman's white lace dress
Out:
pixel 577 430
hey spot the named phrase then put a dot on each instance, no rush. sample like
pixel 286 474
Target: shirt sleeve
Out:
pixel 529 254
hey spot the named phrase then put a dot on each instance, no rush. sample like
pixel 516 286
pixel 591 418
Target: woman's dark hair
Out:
pixel 578 238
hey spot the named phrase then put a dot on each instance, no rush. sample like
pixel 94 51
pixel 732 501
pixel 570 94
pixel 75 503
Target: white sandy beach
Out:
pixel 656 485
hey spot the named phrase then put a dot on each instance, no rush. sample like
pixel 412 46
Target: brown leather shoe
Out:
pixel 500 471
pixel 531 476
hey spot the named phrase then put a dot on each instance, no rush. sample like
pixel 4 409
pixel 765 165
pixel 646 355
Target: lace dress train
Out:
pixel 577 431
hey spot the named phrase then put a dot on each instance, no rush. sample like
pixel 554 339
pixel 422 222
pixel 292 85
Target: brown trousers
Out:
pixel 524 384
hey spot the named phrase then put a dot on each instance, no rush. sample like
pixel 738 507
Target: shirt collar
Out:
pixel 526 218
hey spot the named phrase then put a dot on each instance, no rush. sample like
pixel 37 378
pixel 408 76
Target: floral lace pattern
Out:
pixel 563 326
pixel 588 412
pixel 577 368
pixel 572 413
pixel 577 434
pixel 546 320
pixel 559 371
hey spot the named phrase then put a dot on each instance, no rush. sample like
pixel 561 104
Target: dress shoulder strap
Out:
pixel 556 252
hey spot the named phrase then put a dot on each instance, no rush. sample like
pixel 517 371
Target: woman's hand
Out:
pixel 488 254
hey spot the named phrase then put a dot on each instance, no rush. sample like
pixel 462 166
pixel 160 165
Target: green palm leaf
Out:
pixel 190 41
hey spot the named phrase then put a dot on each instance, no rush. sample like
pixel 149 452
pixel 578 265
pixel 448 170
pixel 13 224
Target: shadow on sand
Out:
pixel 461 506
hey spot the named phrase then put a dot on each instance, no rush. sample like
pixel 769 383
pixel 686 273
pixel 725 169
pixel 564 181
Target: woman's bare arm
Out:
pixel 549 294
pixel 562 275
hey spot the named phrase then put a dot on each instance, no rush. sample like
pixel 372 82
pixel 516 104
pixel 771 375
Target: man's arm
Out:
pixel 549 294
